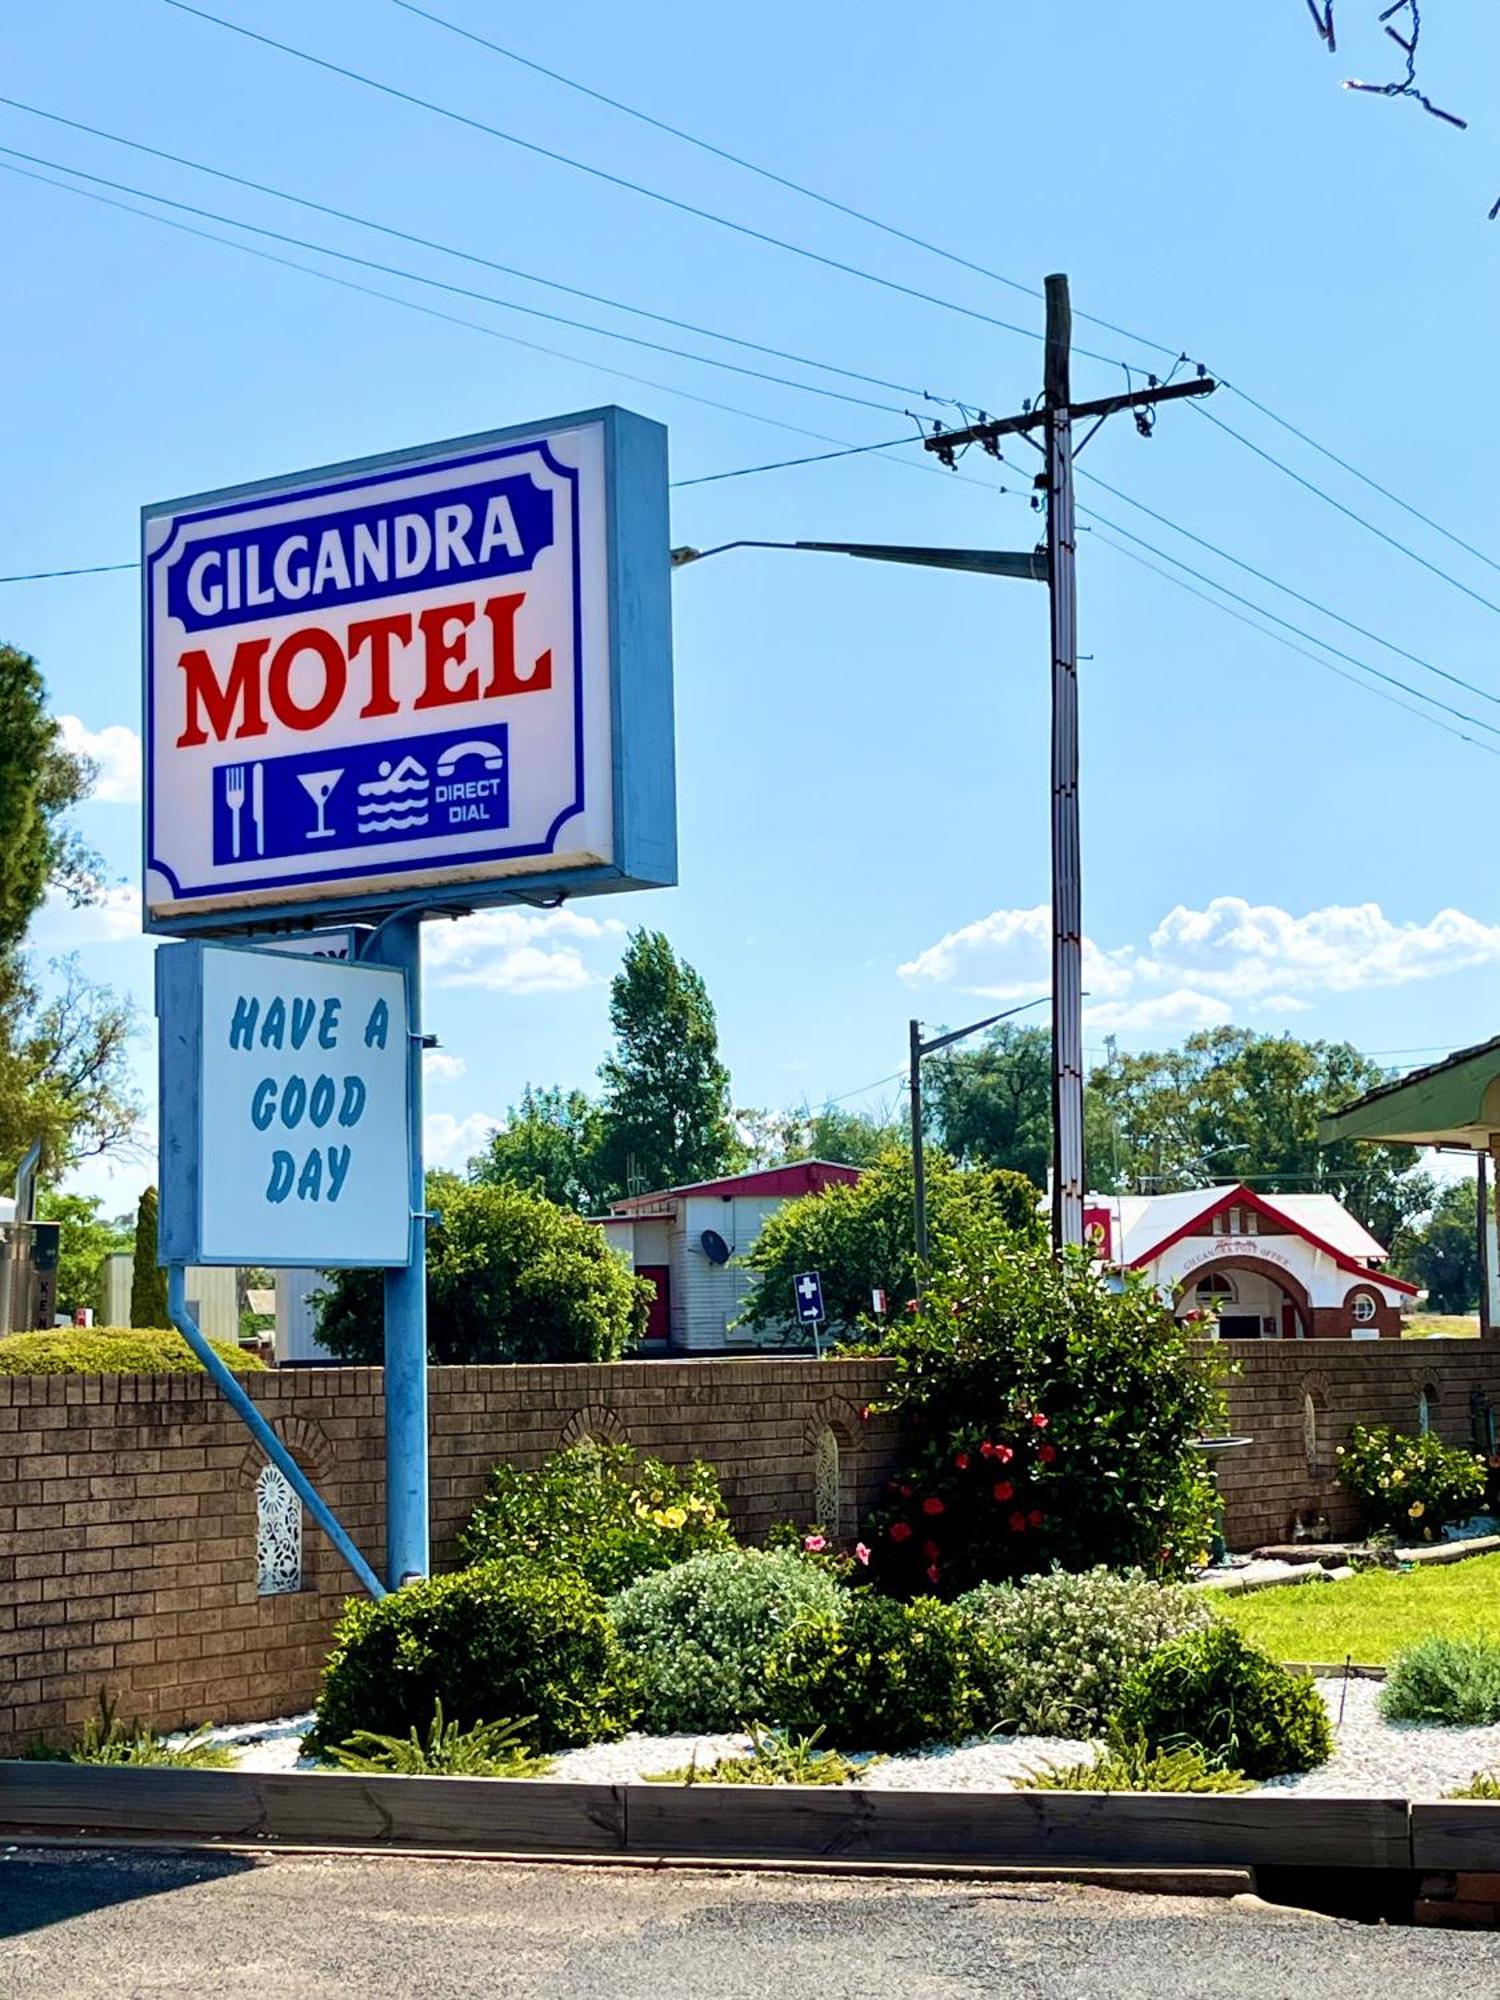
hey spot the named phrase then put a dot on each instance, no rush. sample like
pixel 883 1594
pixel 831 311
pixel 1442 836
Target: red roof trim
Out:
pixel 795 1178
pixel 1243 1197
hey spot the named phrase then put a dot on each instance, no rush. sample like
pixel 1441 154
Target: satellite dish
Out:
pixel 713 1246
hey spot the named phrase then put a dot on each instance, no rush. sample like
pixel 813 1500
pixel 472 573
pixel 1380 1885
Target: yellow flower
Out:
pixel 1416 1510
pixel 1398 1479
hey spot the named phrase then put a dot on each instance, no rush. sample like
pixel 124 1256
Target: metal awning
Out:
pixel 1455 1102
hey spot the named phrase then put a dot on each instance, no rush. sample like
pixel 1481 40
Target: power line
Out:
pixel 457 291
pixel 1276 619
pixel 467 256
pixel 1312 603
pixel 88 569
pixel 1310 486
pixel 769 174
pixel 620 180
pixel 1317 660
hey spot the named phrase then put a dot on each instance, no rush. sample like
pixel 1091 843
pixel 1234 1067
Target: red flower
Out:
pixel 932 1504
pixel 931 1551
pixel 933 1572
pixel 986 1450
pixel 1047 1453
pixel 1018 1523
pixel 900 1531
pixel 1038 1421
pixel 864 1413
pixel 1005 1491
pixel 1036 1517
pixel 961 1460
pixel 911 1305
pixel 1004 1453
pixel 904 1491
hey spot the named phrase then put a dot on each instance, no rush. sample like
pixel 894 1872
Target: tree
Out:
pixel 1234 1105
pixel 991 1105
pixel 510 1277
pixel 1442 1251
pixel 86 1240
pixel 550 1143
pixel 64 1068
pixel 860 1237
pixel 40 782
pixel 148 1282
pixel 667 1118
pixel 849 1138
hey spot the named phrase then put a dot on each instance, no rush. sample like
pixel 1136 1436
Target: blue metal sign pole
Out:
pixel 398 942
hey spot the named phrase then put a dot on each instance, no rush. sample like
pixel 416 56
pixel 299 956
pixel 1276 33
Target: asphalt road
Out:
pixel 84 1925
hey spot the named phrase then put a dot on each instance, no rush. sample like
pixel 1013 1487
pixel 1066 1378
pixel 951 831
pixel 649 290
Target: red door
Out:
pixel 659 1318
pixel 1288 1320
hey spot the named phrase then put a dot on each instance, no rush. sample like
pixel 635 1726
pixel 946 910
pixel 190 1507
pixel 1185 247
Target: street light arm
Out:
pixel 1029 565
pixel 958 1034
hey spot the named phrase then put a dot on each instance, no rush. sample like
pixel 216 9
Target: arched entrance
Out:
pixel 1253 1298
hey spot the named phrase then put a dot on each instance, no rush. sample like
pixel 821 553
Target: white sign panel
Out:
pixel 432 676
pixel 284 1110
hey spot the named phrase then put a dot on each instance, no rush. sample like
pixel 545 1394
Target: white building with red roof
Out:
pixel 687 1241
pixel 1270 1266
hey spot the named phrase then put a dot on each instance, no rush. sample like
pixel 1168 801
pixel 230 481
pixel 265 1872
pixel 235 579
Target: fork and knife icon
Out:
pixel 234 798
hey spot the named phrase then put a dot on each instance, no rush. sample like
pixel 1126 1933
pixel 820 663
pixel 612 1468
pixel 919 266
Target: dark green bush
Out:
pixel 114 1350
pixel 1215 1690
pixel 1051 1413
pixel 883 1675
pixel 498 1640
pixel 1444 1680
pixel 599 1510
pixel 700 1632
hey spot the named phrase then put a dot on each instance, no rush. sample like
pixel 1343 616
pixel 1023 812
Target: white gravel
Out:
pixel 1372 1758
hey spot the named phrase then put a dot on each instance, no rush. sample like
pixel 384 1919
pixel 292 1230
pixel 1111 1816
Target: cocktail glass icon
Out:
pixel 318 785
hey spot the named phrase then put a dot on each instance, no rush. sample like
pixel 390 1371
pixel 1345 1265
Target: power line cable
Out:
pixel 1276 619
pixel 1240 618
pixel 769 174
pixel 457 291
pixel 1312 603
pixel 620 181
pixel 470 256
pixel 1310 486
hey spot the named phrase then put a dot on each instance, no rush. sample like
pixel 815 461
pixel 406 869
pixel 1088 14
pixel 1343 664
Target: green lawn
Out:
pixel 1374 1616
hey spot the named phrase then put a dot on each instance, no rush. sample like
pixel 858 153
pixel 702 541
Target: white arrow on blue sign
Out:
pixel 807 1289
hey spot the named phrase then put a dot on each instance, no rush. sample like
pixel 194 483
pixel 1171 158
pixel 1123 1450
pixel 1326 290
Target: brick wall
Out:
pixel 127 1503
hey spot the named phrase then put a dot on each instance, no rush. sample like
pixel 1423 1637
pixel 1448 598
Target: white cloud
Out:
pixel 450 1142
pixel 115 915
pixel 440 1067
pixel 117 752
pixel 1201 967
pixel 511 950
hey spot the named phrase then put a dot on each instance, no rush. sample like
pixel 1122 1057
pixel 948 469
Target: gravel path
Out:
pixel 1371 1758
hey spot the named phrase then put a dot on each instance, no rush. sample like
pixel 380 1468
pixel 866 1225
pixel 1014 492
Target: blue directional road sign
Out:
pixel 807 1289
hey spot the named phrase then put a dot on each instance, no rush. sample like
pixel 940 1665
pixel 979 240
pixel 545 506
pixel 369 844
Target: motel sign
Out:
pixel 435 677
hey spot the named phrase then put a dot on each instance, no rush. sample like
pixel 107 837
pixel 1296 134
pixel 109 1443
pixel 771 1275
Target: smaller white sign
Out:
pixel 285 1134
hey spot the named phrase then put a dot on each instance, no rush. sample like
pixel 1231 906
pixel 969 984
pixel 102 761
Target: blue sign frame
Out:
pixel 642 776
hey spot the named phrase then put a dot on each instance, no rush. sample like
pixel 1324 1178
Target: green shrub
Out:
pixel 500 1639
pixel 114 1350
pixel 1067 1644
pixel 106 1739
pixel 1410 1486
pixel 1126 1764
pixel 774 1759
pixel 1215 1690
pixel 879 1674
pixel 1052 1412
pixel 488 1750
pixel 511 1276
pixel 701 1631
pixel 1444 1680
pixel 597 1509
pixel 1483 1785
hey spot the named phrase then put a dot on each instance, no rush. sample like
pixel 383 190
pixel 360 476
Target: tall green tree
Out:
pixel 1230 1104
pixel 1441 1251
pixel 850 1138
pixel 667 1116
pixel 148 1281
pixel 550 1143
pixel 991 1104
pixel 40 782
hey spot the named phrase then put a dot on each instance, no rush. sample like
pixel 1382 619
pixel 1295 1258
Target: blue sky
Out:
pixel 862 752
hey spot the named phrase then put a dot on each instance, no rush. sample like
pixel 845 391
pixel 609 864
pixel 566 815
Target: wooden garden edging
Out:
pixel 714 1822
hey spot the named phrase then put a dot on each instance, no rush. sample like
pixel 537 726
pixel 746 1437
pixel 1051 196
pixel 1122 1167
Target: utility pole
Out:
pixel 918 1168
pixel 1056 418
